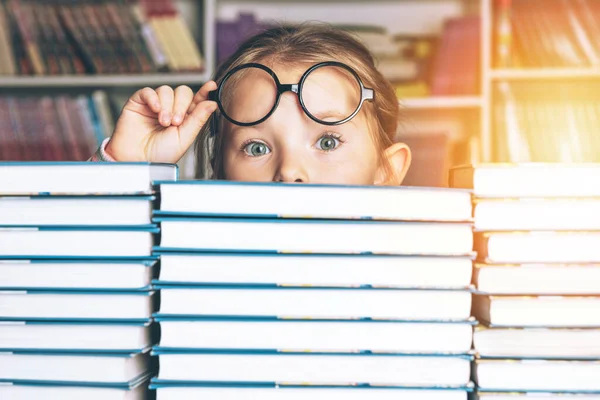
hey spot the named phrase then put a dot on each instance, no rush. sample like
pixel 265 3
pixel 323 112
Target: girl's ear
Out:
pixel 394 166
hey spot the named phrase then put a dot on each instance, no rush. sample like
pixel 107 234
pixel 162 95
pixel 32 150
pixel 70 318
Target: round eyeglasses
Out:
pixel 330 93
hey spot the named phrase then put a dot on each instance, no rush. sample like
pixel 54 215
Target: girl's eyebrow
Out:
pixel 329 113
pixel 323 115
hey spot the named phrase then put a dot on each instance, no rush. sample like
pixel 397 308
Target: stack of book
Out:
pixel 75 279
pixel 538 278
pixel 283 291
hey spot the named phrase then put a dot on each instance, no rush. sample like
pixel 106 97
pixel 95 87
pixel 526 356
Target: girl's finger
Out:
pixel 195 121
pixel 202 94
pixel 147 97
pixel 183 98
pixel 166 98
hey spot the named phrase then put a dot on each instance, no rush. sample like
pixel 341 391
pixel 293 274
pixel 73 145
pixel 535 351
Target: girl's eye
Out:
pixel 256 149
pixel 328 143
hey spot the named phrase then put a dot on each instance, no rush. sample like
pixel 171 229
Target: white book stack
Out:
pixel 538 279
pixel 278 291
pixel 76 268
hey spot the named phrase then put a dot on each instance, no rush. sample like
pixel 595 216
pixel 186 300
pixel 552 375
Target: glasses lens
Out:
pixel 249 95
pixel 331 93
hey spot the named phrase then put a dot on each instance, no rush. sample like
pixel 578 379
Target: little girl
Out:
pixel 303 104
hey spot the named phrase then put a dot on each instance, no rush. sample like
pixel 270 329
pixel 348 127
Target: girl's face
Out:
pixel 291 147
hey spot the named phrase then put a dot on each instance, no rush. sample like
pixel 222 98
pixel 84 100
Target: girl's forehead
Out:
pixel 288 72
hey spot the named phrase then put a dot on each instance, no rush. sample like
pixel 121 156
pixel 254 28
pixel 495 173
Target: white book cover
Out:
pixel 82 178
pixel 115 368
pixel 221 198
pixel 316 369
pixel 76 210
pixel 315 236
pixel 318 336
pixel 76 274
pixel 190 392
pixel 317 303
pixel 75 336
pixel 75 305
pixel 316 270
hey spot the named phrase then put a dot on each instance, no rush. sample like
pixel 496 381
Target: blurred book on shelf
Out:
pixel 53 37
pixel 562 33
pixel 546 121
pixel 456 68
pixel 437 142
pixel 231 34
pixel 424 65
pixel 53 128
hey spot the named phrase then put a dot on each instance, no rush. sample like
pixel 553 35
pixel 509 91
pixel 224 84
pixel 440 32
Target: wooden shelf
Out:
pixel 102 81
pixel 544 73
pixel 441 102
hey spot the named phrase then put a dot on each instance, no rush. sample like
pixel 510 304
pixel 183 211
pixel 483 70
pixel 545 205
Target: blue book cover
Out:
pixel 152 228
pixel 157 284
pixel 162 383
pixel 471 321
pixel 130 385
pixel 157 351
pixel 78 353
pixel 100 197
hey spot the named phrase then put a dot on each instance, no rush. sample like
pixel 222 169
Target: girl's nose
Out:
pixel 291 169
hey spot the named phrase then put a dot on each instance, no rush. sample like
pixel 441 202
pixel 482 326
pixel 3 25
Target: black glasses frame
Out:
pixel 366 93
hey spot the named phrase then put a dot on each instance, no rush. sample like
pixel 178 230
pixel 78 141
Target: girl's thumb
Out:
pixel 195 121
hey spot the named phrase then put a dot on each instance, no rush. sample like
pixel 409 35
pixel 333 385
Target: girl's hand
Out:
pixel 160 125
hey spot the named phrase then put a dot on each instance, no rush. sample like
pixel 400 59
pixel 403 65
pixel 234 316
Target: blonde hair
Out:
pixel 301 44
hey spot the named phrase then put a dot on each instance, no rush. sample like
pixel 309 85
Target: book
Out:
pixel 73 367
pixel 75 336
pixel 76 210
pixel 537 247
pixel 540 311
pixel 528 179
pixel 314 270
pixel 35 178
pixel 537 278
pixel 316 336
pixel 138 390
pixel 316 303
pixel 544 375
pixel 315 236
pixel 316 369
pixel 69 305
pixel 306 201
pixel 191 391
pixel 532 214
pixel 76 274
pixel 537 342
pixel 91 241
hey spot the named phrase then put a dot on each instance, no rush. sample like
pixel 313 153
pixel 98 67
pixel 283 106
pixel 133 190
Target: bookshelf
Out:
pixel 404 16
pixel 543 86
pixel 103 81
pixel 441 102
pixel 199 16
pixel 544 74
